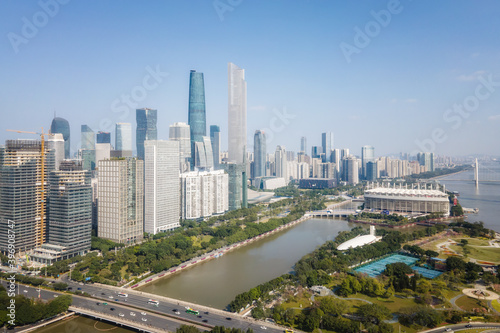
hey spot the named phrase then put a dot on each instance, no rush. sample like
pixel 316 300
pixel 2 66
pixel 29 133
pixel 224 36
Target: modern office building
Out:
pixel 61 125
pixel 259 148
pixel 367 155
pixel 146 129
pixel 197 114
pixel 236 185
pixel 215 140
pixel 87 137
pixel 372 172
pixel 123 138
pixel 204 157
pixel 70 209
pixel 351 170
pixel 237 118
pixel 327 146
pixel 316 151
pixel 23 194
pixel 121 199
pixel 317 183
pixel 103 137
pixel 203 194
pixel 102 152
pixel 427 160
pixel 88 159
pixel 180 132
pixel 161 186
pixel 303 144
pixel 55 143
pixel 280 162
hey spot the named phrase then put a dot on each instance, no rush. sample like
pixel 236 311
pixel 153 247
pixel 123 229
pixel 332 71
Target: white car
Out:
pixel 144 319
pixel 177 312
pixel 143 313
pixel 132 314
pixel 263 328
pixel 121 314
pixel 25 291
pixel 111 297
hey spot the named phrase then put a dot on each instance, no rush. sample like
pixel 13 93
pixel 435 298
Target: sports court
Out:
pixel 427 273
pixel 376 268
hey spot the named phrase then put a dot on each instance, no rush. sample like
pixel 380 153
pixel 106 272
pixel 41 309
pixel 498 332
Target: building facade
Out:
pixel 146 129
pixel 123 138
pixel 103 137
pixel 259 148
pixel 61 125
pixel 327 145
pixel 215 140
pixel 180 132
pixel 197 113
pixel 237 114
pixel 87 137
pixel 367 155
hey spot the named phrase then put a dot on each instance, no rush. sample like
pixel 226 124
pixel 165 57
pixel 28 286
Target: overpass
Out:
pixel 332 213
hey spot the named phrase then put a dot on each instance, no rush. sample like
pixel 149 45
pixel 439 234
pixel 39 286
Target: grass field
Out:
pixel 480 253
pixel 496 305
pixel 469 303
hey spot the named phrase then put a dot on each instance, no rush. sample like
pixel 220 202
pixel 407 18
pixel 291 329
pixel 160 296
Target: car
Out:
pixel 199 316
pixel 79 288
pixel 468 326
pixel 144 319
pixel 110 297
pixel 263 328
pixel 132 314
pixel 103 294
pixel 104 303
pixel 112 309
pixel 143 313
pixel 81 284
pixel 56 295
pixel 229 318
pixel 121 314
pixel 206 312
pixel 448 330
pixel 25 291
pixel 98 303
pixel 205 321
pixel 177 312
pixel 70 288
pixel 117 300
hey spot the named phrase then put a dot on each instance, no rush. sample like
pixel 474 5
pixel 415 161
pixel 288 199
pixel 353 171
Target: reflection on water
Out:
pixel 216 282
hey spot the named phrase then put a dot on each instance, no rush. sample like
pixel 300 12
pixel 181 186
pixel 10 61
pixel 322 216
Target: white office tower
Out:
pixel 237 107
pixel 123 137
pixel 281 163
pixel 161 186
pixel 302 170
pixel 351 170
pixel 102 152
pixel 203 194
pixel 121 200
pixel 181 132
pixel 56 144
pixel 292 169
pixel 204 158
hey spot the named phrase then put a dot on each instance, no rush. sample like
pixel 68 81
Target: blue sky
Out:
pixel 396 92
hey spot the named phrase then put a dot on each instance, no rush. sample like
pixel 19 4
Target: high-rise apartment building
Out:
pixel 427 160
pixel 351 170
pixel 316 151
pixel 87 137
pixel 23 194
pixel 103 137
pixel 280 161
pixel 367 155
pixel 327 145
pixel 372 172
pixel 146 129
pixel 61 125
pixel 123 138
pixel 180 132
pixel 259 148
pixel 121 199
pixel 161 186
pixel 237 119
pixel 215 140
pixel 303 144
pixel 197 114
pixel 70 209
pixel 55 143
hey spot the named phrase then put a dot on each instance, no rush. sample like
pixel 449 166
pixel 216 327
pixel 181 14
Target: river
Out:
pixel 216 282
pixel 486 197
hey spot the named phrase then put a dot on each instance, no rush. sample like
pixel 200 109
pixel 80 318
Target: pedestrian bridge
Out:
pixel 332 213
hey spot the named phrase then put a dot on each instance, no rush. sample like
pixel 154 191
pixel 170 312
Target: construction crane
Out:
pixel 42 182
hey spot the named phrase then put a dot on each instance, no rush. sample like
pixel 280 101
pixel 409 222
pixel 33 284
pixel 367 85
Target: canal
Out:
pixel 216 282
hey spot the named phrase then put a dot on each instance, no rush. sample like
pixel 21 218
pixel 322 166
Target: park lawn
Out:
pixel 449 294
pixel 123 271
pixel 296 302
pixel 468 303
pixel 485 253
pixel 496 305
pixel 472 241
pixel 406 329
pixel 392 303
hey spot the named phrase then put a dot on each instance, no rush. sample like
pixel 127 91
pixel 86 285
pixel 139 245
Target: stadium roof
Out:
pixel 406 193
pixel 358 241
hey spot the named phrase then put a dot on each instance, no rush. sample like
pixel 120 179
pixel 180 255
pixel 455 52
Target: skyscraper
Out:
pixel 215 140
pixel 103 137
pixel 350 169
pixel 367 155
pixel 70 208
pixel 121 200
pixel 180 132
pixel 88 137
pixel 197 115
pixel 237 107
pixel 161 186
pixel 327 145
pixel 146 129
pixel 259 156
pixel 55 144
pixel 303 144
pixel 281 164
pixel 23 194
pixel 316 151
pixel 123 137
pixel 204 158
pixel 61 125
pixel 427 160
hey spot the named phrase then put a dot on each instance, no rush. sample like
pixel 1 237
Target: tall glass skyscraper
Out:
pixel 180 132
pixel 103 137
pixel 61 125
pixel 123 137
pixel 88 137
pixel 259 155
pixel 146 129
pixel 303 144
pixel 215 139
pixel 197 116
pixel 237 118
pixel 327 144
pixel 367 155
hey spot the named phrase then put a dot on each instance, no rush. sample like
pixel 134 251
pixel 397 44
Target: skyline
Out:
pixel 408 75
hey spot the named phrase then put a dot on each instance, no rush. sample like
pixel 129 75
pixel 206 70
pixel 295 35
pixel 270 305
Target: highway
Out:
pixel 167 315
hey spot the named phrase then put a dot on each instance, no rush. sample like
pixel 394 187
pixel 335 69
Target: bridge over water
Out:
pixel 483 173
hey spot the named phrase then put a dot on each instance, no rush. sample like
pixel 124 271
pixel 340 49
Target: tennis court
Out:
pixel 376 268
pixel 427 273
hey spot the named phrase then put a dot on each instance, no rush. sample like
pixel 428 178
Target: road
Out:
pixel 167 315
pixel 494 326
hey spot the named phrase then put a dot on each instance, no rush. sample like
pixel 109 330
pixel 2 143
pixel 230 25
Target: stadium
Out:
pixel 360 240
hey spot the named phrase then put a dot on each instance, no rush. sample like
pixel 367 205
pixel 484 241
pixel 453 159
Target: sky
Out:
pixel 402 76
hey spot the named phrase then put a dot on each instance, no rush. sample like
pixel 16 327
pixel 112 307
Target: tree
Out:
pixel 453 263
pixel 457 210
pixel 188 329
pixel 374 313
pixel 333 306
pixel 464 242
pixel 60 286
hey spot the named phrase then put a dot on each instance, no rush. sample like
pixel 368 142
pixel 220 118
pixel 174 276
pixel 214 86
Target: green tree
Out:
pixel 374 313
pixel 60 286
pixel 188 329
